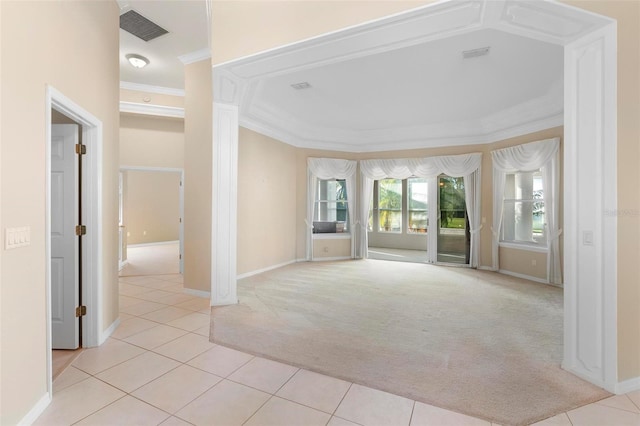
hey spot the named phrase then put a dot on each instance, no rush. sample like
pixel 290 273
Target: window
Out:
pixel 395 215
pixel 523 211
pixel 417 205
pixel 390 205
pixel 331 213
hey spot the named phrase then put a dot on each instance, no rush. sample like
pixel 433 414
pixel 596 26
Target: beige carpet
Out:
pixel 159 259
pixel 398 255
pixel 475 342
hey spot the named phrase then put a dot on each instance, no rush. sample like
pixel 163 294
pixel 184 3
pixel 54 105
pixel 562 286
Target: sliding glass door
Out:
pixel 454 239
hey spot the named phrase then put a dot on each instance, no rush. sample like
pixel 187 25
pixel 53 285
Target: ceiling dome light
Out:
pixel 137 61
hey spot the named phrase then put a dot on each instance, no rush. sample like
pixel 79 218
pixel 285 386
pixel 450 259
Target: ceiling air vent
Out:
pixel 475 52
pixel 140 26
pixel 301 86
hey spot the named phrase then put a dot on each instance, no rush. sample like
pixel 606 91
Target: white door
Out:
pixel 64 242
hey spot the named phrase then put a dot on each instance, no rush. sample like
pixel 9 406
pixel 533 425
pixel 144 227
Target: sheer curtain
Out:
pixel 330 168
pixel 543 155
pixel 466 166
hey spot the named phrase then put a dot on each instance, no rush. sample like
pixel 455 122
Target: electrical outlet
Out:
pixel 534 262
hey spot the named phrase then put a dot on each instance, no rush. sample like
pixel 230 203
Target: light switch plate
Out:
pixel 17 237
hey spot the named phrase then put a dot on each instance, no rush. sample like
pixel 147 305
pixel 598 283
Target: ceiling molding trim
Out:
pixel 197 56
pixel 394 144
pixel 544 109
pixel 146 109
pixel 545 21
pixel 151 89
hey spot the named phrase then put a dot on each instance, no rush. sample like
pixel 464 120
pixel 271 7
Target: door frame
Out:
pixel 180 200
pixel 436 219
pixel 91 196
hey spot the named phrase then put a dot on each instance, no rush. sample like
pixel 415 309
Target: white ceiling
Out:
pixel 186 21
pixel 401 82
pixel 421 85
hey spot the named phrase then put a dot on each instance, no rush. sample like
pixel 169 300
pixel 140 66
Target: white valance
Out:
pixel 330 168
pixel 403 168
pixel 525 158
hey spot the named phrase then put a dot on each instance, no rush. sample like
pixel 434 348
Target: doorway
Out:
pixel 454 238
pixel 82 214
pixel 151 222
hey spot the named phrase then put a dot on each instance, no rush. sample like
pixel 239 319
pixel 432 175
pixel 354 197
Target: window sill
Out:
pixel 523 246
pixel 331 236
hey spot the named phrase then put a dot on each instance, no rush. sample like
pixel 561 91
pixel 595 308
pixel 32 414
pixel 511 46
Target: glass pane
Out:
pixel 332 211
pixel 417 205
pixel 390 220
pixel 390 205
pixel 523 221
pixel 417 222
pixel 524 186
pixel 452 203
pixel 417 193
pixel 331 190
pixel 453 232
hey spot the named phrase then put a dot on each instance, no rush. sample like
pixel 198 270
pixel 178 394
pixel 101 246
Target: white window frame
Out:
pixel 540 244
pixel 318 201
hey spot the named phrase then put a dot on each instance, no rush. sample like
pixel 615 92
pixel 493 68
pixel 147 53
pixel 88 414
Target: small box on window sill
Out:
pixel 339 227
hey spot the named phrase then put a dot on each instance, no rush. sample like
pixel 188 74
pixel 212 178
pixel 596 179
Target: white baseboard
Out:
pixel 523 276
pixel 157 243
pixel 627 386
pixel 487 268
pixel 198 293
pixel 108 332
pixel 36 410
pixel 268 268
pixel 303 259
pixel 327 259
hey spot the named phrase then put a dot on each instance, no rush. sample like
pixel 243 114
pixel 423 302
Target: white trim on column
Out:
pixel 590 192
pixel 224 205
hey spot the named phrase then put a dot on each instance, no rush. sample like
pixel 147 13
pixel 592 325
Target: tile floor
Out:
pixel 159 367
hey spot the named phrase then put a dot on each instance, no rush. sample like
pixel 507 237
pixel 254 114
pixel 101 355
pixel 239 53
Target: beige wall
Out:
pixel 151 141
pixel 34 54
pixel 239 26
pixel 627 14
pixel 152 204
pixel 331 248
pixel 238 31
pixel 197 176
pixel 266 202
pixel 151 98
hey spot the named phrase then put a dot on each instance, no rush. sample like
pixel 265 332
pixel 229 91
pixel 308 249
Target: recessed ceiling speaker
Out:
pixel 300 86
pixel 467 54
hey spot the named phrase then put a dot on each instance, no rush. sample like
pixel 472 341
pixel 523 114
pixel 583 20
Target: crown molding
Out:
pixel 197 56
pixel 146 109
pixel 239 81
pixel 151 89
